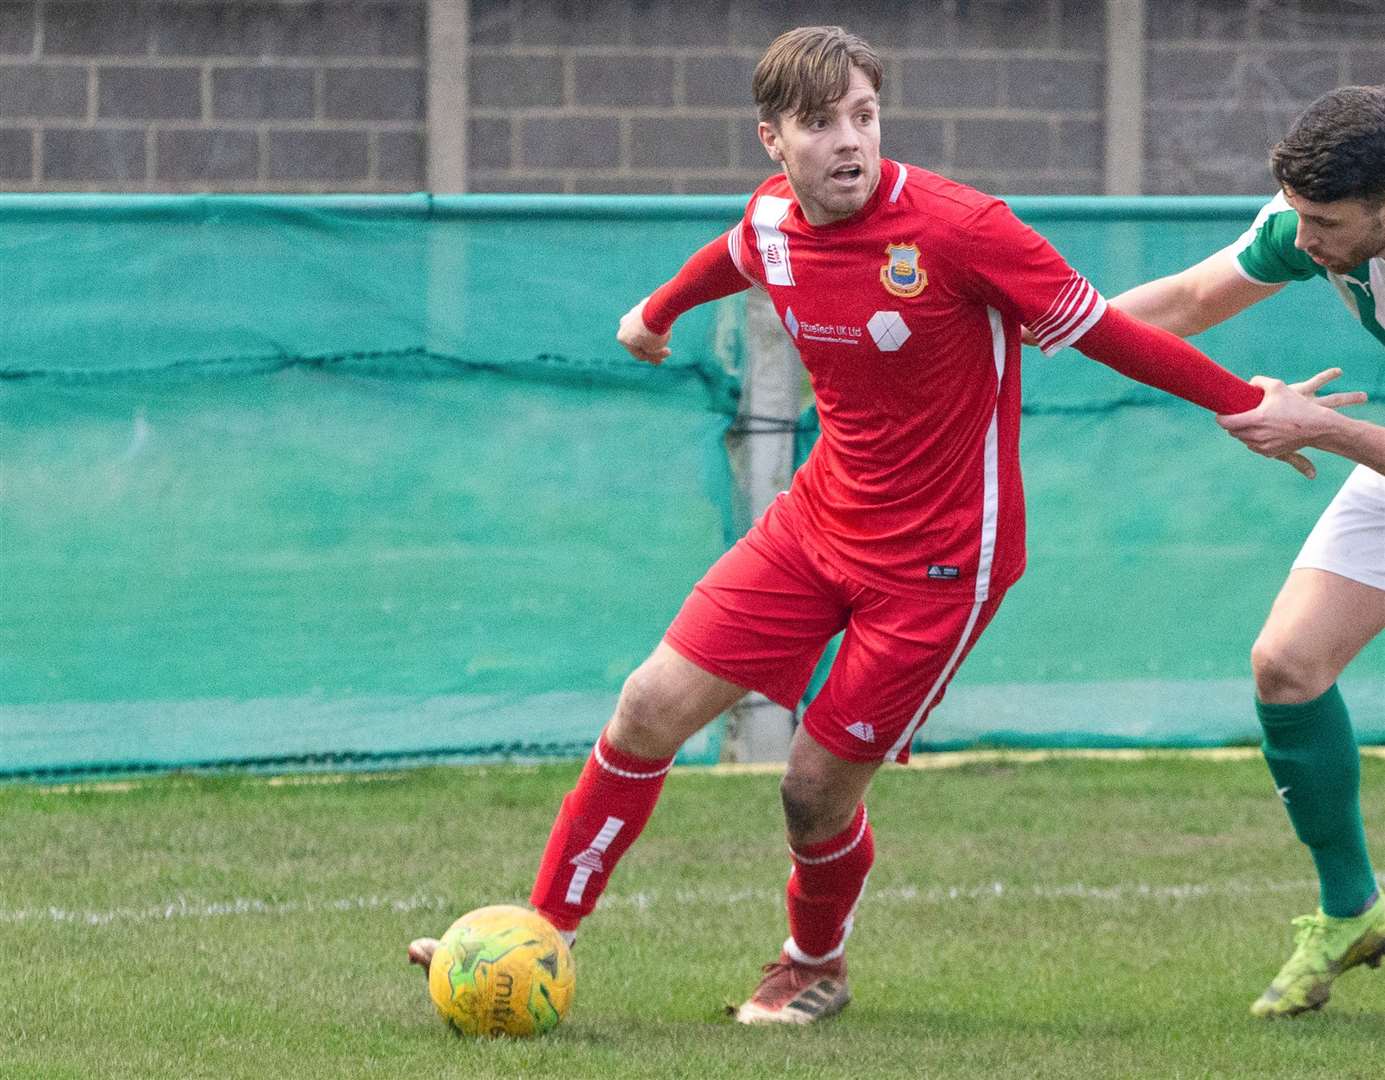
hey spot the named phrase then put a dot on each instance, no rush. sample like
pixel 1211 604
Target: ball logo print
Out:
pixel 501 971
pixel 888 330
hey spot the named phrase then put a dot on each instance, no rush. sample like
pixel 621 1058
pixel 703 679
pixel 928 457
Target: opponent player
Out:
pixel 904 293
pixel 1327 221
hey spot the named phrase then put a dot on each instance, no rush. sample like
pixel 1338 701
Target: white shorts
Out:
pixel 1349 538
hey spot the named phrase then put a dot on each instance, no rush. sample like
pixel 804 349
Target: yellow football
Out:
pixel 502 970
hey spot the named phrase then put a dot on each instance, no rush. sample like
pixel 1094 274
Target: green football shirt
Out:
pixel 1265 254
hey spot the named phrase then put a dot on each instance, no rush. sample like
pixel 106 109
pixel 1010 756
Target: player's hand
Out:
pixel 1027 337
pixel 1301 463
pixel 1290 417
pixel 639 341
pixel 1309 389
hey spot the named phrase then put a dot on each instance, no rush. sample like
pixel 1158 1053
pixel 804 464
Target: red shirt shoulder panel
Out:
pixel 998 259
pixel 757 245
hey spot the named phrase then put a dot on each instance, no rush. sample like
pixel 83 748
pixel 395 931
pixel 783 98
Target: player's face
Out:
pixel 1338 235
pixel 832 158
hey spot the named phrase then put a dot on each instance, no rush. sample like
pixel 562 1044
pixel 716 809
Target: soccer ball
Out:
pixel 502 970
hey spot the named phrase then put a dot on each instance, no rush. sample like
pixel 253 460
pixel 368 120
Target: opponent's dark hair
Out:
pixel 1336 149
pixel 805 70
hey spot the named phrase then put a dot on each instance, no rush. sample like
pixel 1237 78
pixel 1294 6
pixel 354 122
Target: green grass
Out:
pixel 1066 919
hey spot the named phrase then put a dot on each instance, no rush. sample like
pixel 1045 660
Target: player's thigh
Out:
pixel 1319 622
pixel 894 665
pixel 1333 602
pixel 1349 538
pixel 762 615
pixel 666 701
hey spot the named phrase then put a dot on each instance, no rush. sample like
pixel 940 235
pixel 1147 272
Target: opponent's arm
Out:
pixel 1356 440
pixel 708 275
pixel 1190 301
pixel 1291 416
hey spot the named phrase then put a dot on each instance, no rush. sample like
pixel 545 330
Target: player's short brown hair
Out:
pixel 1336 149
pixel 807 69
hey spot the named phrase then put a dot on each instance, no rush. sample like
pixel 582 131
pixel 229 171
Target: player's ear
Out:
pixel 769 139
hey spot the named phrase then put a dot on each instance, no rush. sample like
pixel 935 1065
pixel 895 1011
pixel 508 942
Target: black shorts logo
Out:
pixel 936 572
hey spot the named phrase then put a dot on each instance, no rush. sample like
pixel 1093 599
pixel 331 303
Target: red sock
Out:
pixel 598 820
pixel 824 888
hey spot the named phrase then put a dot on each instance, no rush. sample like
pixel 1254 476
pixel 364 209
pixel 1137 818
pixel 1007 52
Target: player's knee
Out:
pixel 812 807
pixel 647 722
pixel 1285 675
pixel 802 803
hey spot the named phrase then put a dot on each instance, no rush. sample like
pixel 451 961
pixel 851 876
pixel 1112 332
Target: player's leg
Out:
pixel 758 620
pixel 832 849
pixel 666 701
pixel 830 843
pixel 1332 604
pixel 893 667
pixel 1318 624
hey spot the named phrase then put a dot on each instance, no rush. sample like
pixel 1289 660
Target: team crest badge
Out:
pixel 901 274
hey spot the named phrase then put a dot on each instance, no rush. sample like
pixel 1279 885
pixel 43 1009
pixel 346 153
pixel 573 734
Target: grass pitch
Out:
pixel 1067 918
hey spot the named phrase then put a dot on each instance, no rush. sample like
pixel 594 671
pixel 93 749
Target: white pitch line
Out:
pixel 124 787
pixel 675 899
pixel 905 895
pixel 951 759
pixel 947 759
pixel 183 908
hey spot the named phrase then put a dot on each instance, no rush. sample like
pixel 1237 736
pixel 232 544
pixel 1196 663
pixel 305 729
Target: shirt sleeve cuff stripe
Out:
pixel 1098 310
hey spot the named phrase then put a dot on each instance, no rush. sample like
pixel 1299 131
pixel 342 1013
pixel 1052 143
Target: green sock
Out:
pixel 1316 766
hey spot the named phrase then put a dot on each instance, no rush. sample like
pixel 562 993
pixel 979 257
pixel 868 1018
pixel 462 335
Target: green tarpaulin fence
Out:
pixel 293 481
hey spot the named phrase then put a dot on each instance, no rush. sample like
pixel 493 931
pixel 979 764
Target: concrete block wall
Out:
pixel 640 95
pixel 197 95
pixel 1225 80
pixel 654 95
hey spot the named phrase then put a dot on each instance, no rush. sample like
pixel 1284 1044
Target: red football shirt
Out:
pixel 907 316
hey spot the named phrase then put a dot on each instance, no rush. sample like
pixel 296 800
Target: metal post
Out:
pixel 1125 96
pixel 763 460
pixel 448 40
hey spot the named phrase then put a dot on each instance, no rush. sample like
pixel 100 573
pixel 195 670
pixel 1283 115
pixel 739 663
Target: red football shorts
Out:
pixel 765 611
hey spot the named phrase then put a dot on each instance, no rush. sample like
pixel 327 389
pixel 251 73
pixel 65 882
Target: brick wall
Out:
pixel 639 95
pixel 193 95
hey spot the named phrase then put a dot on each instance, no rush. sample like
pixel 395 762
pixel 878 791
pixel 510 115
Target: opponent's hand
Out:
pixel 1290 417
pixel 639 341
pixel 1309 389
pixel 1299 462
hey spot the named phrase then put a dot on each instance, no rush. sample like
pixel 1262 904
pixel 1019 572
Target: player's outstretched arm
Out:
pixel 710 274
pixel 1292 416
pixel 1160 359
